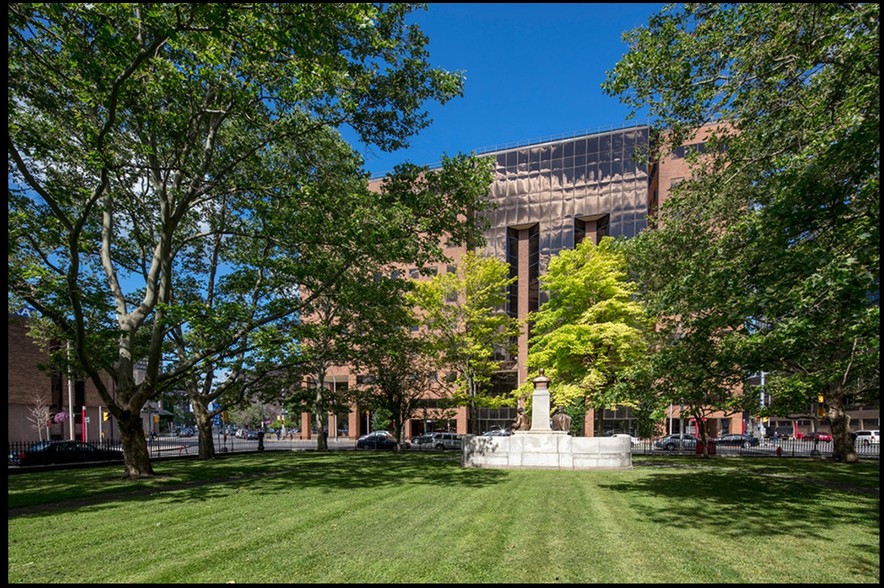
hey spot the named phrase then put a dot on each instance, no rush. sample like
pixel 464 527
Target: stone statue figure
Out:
pixel 561 421
pixel 521 423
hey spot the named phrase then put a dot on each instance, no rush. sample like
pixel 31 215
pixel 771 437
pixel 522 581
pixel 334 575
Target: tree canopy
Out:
pixel 591 329
pixel 463 315
pixel 176 174
pixel 768 257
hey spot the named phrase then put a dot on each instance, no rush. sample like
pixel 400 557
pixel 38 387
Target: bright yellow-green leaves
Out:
pixel 592 327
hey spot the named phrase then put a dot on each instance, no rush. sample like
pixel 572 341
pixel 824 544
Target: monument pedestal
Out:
pixel 543 448
pixel 547 450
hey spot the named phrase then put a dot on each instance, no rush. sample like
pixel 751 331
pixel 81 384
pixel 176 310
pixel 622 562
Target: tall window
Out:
pixel 533 268
pixel 515 236
pixel 594 227
pixel 512 259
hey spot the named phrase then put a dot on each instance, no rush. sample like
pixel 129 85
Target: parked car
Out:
pixel 185 432
pixel 633 440
pixel 673 442
pixel 422 441
pixel 782 432
pixel 736 440
pixel 14 457
pixel 377 440
pixel 443 441
pixel 866 437
pixel 817 436
pixel 57 452
pixel 497 433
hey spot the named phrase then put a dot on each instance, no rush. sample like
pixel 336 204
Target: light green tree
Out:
pixel 768 258
pixel 590 329
pixel 463 314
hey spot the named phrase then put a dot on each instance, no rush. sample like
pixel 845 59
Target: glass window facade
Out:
pixel 553 184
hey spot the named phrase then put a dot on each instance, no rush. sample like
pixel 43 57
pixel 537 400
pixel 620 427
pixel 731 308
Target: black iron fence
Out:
pixel 766 447
pixel 175 447
pixel 168 446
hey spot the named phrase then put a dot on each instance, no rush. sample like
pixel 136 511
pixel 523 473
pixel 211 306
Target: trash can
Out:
pixel 700 445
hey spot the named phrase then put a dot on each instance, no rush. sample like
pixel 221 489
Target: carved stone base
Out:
pixel 547 450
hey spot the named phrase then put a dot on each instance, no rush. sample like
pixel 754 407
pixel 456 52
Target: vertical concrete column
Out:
pixel 540 404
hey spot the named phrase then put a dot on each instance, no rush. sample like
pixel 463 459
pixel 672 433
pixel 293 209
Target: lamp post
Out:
pixel 283 413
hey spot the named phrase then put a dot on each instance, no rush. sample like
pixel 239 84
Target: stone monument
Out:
pixel 543 448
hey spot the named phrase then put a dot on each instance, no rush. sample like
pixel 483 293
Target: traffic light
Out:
pixel 105 415
pixel 821 406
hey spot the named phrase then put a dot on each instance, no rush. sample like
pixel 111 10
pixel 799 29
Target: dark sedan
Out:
pixel 736 440
pixel 377 440
pixel 60 452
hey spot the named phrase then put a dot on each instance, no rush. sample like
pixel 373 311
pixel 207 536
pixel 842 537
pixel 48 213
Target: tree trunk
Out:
pixel 473 416
pixel 135 455
pixel 203 427
pixel 321 433
pixel 701 433
pixel 843 449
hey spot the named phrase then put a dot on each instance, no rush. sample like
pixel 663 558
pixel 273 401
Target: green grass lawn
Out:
pixel 365 517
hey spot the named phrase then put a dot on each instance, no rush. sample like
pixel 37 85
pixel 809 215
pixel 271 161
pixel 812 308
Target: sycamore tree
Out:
pixel 395 359
pixel 590 330
pixel 232 271
pixel 417 214
pixel 463 314
pixel 322 340
pixel 129 124
pixel 768 258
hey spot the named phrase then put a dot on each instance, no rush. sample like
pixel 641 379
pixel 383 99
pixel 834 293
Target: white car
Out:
pixel 866 437
pixel 632 439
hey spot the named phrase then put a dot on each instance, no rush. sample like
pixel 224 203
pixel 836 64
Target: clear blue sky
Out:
pixel 533 72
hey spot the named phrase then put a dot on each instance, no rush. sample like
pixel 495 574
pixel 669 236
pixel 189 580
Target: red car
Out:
pixel 817 436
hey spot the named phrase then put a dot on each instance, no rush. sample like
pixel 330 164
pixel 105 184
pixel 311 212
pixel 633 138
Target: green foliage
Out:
pixel 176 174
pixel 591 329
pixel 768 258
pixel 463 315
pixel 398 366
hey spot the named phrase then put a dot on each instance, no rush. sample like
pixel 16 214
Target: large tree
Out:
pixel 590 330
pixel 769 256
pixel 128 126
pixel 396 361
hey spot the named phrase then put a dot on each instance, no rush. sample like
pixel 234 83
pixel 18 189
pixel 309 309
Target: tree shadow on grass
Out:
pixel 274 472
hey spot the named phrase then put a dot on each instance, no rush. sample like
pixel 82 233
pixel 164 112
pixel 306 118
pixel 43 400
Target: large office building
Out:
pixel 548 196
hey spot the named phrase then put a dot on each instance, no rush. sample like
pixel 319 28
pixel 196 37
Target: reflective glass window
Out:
pixel 580 147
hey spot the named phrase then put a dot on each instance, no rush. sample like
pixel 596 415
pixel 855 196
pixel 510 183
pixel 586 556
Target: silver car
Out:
pixel 676 442
pixel 444 441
